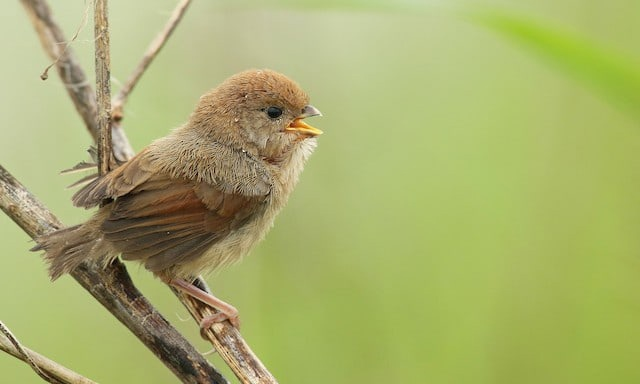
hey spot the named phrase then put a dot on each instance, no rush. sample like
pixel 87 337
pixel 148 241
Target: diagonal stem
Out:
pixel 49 370
pixel 152 51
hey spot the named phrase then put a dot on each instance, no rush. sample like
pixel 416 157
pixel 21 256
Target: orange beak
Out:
pixel 299 126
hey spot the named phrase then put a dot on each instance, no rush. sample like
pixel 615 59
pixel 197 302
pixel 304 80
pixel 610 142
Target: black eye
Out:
pixel 274 112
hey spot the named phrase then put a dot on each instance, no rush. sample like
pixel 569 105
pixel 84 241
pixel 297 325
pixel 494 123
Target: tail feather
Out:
pixel 67 248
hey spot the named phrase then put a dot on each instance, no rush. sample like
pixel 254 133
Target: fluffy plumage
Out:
pixel 202 196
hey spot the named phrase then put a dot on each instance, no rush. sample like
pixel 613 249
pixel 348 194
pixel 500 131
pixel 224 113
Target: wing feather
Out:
pixel 118 182
pixel 161 220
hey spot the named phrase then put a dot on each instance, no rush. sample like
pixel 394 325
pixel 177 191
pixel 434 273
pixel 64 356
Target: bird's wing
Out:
pixel 164 221
pixel 167 222
pixel 116 183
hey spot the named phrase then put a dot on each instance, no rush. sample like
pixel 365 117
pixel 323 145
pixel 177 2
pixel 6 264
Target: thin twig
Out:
pixel 113 288
pixel 152 51
pixel 103 83
pixel 71 73
pixel 228 342
pixel 83 23
pixel 23 354
pixel 53 371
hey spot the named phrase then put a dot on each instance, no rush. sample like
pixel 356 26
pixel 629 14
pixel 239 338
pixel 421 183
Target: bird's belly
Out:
pixel 231 249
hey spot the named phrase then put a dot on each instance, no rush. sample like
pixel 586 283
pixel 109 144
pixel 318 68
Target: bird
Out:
pixel 201 197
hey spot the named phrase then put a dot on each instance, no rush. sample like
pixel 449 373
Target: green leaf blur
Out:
pixel 609 73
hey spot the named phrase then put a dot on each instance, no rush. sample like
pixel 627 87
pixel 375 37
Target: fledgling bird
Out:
pixel 204 195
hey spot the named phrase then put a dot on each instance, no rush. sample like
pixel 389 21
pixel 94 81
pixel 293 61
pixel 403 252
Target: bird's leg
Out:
pixel 226 310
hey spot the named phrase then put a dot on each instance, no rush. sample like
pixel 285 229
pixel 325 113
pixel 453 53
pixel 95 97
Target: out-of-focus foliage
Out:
pixel 609 73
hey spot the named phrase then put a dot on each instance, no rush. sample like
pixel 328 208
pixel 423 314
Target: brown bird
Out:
pixel 204 195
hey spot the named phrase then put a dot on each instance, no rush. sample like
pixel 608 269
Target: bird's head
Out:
pixel 260 111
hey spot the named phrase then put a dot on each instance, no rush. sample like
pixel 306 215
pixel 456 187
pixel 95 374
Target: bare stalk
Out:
pixel 49 370
pixel 103 84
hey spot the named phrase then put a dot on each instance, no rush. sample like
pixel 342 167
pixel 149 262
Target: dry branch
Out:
pixel 103 84
pixel 229 343
pixel 47 369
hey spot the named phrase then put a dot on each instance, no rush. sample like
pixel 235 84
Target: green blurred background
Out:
pixel 470 215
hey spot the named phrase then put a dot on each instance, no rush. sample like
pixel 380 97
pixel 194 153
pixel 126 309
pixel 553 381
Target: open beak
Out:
pixel 299 126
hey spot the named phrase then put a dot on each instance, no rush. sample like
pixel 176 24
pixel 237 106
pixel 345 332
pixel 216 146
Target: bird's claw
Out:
pixel 218 317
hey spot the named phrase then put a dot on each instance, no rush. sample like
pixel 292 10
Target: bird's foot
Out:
pixel 225 310
pixel 219 317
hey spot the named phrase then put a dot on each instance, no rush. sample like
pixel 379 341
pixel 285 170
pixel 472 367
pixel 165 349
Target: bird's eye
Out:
pixel 274 112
